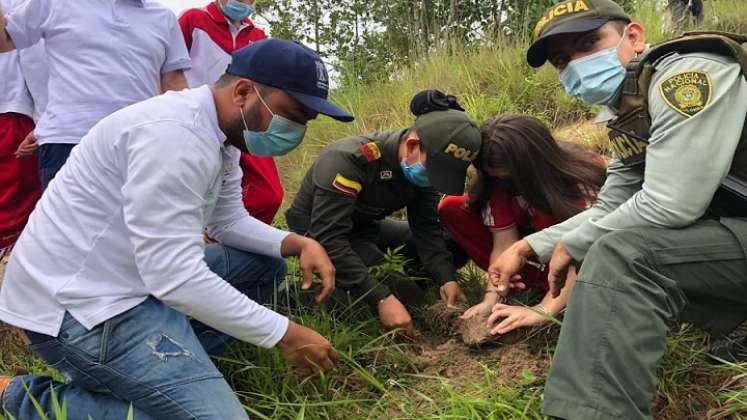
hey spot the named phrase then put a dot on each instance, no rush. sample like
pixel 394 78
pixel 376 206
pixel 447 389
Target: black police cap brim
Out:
pixel 537 54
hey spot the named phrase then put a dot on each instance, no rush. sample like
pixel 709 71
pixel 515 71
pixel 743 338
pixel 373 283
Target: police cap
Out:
pixel 571 16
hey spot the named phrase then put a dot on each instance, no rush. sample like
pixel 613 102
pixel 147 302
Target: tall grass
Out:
pixel 380 378
pixel 490 79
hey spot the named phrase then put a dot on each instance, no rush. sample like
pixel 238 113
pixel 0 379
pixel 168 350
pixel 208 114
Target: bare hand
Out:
pixel 482 308
pixel 504 271
pixel 313 259
pixel 515 317
pixel 560 262
pixel 451 292
pixel 28 146
pixel 307 350
pixel 394 315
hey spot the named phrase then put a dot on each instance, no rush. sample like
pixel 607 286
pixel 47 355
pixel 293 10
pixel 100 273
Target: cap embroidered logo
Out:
pixel 573 6
pixel 461 152
pixel 322 80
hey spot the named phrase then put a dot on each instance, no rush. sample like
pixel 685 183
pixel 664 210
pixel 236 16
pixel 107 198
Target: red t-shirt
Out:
pixel 210 40
pixel 504 210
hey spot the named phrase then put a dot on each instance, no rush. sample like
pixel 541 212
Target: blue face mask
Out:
pixel 238 11
pixel 415 173
pixel 281 136
pixel 595 78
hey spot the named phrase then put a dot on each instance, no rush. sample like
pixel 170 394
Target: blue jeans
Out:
pixel 151 357
pixel 51 158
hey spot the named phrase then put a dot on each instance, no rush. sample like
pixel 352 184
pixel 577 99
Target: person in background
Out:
pixel 102 57
pixel 19 174
pixel 526 181
pixel 111 279
pixel 357 182
pixel 212 34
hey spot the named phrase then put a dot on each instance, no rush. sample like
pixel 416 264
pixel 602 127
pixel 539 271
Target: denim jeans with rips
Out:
pixel 151 358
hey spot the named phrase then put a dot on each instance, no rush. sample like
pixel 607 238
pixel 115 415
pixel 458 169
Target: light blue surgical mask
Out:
pixel 281 136
pixel 415 173
pixel 595 78
pixel 238 11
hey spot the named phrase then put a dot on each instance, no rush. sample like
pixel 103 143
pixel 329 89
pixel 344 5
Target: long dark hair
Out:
pixel 547 173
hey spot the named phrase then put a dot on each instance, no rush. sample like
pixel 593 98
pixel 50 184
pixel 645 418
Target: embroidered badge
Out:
pixel 385 175
pixel 348 186
pixel 370 151
pixel 687 93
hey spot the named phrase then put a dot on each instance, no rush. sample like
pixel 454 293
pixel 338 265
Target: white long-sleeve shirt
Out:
pixel 124 219
pixel 102 55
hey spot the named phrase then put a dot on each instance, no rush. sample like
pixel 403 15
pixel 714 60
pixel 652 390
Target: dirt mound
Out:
pixel 475 333
pixel 442 320
pixel 452 359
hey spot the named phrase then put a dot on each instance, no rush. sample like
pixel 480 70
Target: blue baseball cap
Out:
pixel 291 67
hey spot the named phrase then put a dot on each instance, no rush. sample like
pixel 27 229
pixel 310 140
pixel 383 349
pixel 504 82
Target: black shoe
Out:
pixel 730 350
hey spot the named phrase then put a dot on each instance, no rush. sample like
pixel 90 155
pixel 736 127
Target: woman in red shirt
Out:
pixel 526 181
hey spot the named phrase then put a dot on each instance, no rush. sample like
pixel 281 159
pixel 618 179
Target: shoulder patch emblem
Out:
pixel 688 92
pixel 348 186
pixel 370 151
pixel 385 175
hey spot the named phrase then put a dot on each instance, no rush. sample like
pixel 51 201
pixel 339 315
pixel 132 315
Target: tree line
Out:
pixel 368 40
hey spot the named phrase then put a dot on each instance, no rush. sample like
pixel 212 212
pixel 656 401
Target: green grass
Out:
pixel 380 378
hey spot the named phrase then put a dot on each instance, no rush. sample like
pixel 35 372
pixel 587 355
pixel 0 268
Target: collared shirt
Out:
pixel 14 96
pixel 125 218
pixel 354 183
pixel 35 70
pixel 103 55
pixel 211 39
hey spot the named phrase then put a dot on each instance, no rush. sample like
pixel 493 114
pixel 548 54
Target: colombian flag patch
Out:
pixel 348 186
pixel 370 151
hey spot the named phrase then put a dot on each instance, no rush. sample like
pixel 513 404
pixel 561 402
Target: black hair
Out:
pixel 620 25
pixel 545 172
pixel 226 79
pixel 433 100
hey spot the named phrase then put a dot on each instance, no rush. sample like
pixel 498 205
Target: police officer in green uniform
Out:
pixel 356 182
pixel 667 237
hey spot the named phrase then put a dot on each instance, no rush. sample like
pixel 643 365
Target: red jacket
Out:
pixel 210 40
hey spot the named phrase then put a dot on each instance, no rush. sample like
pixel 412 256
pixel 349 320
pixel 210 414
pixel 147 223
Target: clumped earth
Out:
pixel 441 320
pixel 461 349
pixel 475 333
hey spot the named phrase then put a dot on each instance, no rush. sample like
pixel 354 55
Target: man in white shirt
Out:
pixel 102 57
pixel 19 176
pixel 112 262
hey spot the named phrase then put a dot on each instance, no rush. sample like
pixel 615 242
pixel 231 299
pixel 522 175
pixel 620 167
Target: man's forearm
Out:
pixel 173 80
